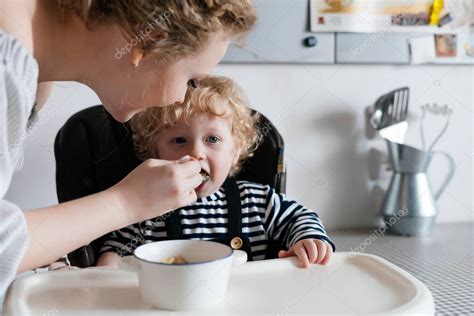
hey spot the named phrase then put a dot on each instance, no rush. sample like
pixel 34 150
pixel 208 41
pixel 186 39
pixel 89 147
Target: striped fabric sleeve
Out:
pixel 123 241
pixel 288 222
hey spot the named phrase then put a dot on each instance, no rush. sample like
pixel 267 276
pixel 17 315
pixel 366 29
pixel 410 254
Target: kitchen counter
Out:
pixel 444 261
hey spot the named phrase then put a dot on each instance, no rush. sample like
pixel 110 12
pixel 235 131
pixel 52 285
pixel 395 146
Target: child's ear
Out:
pixel 236 155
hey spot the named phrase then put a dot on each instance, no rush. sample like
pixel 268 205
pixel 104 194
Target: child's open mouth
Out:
pixel 204 176
pixel 205 179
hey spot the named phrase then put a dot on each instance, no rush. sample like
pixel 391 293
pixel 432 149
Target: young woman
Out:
pixel 134 55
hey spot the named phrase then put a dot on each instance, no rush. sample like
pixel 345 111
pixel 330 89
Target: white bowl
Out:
pixel 198 284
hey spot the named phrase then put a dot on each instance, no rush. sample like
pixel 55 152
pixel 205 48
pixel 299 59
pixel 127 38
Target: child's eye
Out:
pixel 213 139
pixel 179 140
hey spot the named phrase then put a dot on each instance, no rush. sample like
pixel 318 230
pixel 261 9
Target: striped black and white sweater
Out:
pixel 265 215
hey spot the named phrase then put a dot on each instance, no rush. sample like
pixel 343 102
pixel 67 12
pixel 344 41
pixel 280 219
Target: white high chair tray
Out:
pixel 359 284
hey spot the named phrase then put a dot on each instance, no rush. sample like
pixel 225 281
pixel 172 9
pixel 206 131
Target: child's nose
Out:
pixel 198 151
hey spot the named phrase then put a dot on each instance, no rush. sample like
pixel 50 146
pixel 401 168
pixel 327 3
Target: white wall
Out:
pixel 319 111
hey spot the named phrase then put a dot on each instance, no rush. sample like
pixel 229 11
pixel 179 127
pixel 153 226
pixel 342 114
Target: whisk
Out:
pixel 434 109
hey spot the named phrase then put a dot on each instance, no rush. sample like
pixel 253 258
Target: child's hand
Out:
pixel 309 251
pixel 60 265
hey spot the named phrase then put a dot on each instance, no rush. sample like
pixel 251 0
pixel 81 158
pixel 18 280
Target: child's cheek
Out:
pixel 167 153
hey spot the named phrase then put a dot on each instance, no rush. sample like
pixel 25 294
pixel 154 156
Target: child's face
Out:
pixel 206 138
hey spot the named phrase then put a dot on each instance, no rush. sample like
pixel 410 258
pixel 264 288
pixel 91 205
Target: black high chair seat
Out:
pixel 94 152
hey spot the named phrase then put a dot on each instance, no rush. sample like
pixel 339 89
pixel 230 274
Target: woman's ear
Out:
pixel 137 56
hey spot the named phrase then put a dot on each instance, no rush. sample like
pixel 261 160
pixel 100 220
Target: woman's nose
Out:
pixel 181 95
pixel 179 100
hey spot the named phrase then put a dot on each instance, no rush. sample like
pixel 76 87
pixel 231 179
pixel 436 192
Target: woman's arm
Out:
pixel 54 231
pixel 152 189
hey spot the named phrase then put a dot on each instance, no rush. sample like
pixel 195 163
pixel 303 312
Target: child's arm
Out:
pixel 108 259
pixel 298 228
pixel 119 243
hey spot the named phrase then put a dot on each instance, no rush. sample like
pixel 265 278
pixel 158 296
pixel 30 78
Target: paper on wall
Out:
pixel 422 49
pixel 368 15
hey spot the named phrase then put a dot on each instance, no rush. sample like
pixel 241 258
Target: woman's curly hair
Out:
pixel 217 96
pixel 188 24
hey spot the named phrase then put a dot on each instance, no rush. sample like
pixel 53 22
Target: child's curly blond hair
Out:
pixel 217 96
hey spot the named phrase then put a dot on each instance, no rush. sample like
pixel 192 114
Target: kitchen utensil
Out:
pixel 395 133
pixel 409 206
pixel 389 116
pixel 390 108
pixel 435 110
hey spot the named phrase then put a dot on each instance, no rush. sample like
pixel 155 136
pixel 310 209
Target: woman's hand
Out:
pixel 309 251
pixel 153 188
pixel 158 186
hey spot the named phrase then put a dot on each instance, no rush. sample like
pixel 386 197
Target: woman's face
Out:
pixel 128 90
